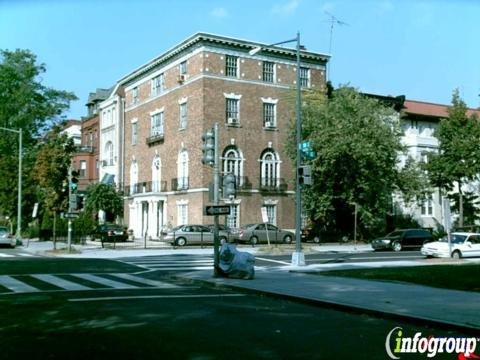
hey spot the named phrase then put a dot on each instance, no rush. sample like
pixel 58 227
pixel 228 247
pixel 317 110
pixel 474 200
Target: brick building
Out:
pixel 173 99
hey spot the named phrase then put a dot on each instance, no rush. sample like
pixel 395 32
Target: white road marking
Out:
pixel 15 285
pixel 104 281
pixel 274 261
pixel 6 255
pixel 26 255
pixel 160 267
pixel 158 284
pixel 155 297
pixel 58 281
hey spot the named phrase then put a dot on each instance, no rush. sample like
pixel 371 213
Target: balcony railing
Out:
pixel 242 182
pixel 180 184
pixel 273 184
pixel 153 139
pixel 146 187
pixel 84 149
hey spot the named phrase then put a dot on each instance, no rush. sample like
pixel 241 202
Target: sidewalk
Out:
pixel 450 308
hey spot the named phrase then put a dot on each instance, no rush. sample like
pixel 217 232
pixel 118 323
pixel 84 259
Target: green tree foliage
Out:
pixel 103 197
pixel 27 104
pixel 456 162
pixel 51 169
pixel 357 140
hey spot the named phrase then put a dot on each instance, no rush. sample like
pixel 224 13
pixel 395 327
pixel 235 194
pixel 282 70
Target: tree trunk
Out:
pixel 460 204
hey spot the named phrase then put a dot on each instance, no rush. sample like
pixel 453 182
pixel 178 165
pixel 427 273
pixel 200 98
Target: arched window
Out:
pixel 182 170
pixel 233 163
pixel 156 174
pixel 133 177
pixel 109 153
pixel 270 169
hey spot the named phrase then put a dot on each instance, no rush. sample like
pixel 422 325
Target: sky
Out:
pixel 423 49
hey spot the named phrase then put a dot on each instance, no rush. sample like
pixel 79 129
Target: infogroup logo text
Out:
pixel 396 343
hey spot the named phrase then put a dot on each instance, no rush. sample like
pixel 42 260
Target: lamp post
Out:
pixel 298 257
pixel 18 235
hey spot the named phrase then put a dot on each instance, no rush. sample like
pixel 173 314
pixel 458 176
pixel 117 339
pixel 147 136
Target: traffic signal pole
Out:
pixel 69 234
pixel 216 201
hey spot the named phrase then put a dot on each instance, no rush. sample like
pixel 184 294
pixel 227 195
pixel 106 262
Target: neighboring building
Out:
pixel 86 158
pixel 172 100
pixel 419 120
pixel 72 128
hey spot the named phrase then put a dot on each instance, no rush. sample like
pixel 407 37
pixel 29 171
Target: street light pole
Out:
pixel 298 257
pixel 18 235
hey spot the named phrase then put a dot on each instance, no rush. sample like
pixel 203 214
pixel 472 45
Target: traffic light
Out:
pixel 305 175
pixel 208 148
pixel 229 186
pixel 74 181
pixel 80 202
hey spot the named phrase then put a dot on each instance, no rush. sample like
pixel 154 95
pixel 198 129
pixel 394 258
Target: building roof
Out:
pixel 217 40
pixel 99 95
pixel 431 109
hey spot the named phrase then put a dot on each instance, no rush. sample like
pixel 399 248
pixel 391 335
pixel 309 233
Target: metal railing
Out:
pixel 180 184
pixel 273 184
pixel 146 187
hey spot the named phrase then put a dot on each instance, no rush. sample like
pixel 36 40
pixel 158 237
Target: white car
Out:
pixel 463 245
pixel 6 238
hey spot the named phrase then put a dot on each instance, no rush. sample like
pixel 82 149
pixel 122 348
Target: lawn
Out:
pixel 458 277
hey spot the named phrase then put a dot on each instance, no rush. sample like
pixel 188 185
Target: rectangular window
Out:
pixel 183 68
pixel 232 111
pixel 233 220
pixel 97 167
pixel 83 168
pixel 183 116
pixel 156 124
pixel 134 133
pixel 304 77
pixel 427 206
pixel 268 71
pixel 272 214
pixel 135 95
pixel 182 214
pixel 231 67
pixel 269 120
pixel 158 84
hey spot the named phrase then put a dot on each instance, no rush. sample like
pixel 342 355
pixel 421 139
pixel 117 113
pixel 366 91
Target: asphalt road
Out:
pixel 177 321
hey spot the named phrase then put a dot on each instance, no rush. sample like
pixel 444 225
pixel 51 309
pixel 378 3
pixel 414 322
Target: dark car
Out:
pixel 258 233
pixel 403 239
pixel 110 233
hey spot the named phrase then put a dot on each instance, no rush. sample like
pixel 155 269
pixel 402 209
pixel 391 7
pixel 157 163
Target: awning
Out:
pixel 108 179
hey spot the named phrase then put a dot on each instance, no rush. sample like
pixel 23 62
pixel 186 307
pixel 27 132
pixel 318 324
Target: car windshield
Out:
pixel 456 238
pixel 247 226
pixel 395 233
pixel 176 228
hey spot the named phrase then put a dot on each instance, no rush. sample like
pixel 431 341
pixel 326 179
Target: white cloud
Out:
pixel 219 12
pixel 286 8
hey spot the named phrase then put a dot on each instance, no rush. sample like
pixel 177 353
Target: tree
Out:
pixel 456 162
pixel 103 197
pixel 357 140
pixel 27 104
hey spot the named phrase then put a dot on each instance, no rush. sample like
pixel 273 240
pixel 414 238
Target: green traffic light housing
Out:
pixel 229 186
pixel 208 148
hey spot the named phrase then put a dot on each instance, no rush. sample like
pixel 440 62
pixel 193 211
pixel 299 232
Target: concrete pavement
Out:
pixel 450 308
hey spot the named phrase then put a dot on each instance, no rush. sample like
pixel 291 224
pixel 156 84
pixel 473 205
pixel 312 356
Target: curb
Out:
pixel 334 305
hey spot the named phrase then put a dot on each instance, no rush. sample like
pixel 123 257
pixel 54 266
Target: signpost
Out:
pixel 265 221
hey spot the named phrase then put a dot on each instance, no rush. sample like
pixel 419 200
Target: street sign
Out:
pixel 217 210
pixel 263 209
pixel 71 215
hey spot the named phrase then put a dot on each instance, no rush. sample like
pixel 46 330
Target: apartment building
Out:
pixel 154 143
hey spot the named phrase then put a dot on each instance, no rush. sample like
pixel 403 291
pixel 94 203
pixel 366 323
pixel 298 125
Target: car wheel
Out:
pixel 316 239
pixel 457 254
pixel 396 246
pixel 181 242
pixel 287 239
pixel 254 240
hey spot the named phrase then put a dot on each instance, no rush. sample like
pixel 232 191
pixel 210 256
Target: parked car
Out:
pixel 257 233
pixel 403 239
pixel 192 234
pixel 311 234
pixel 6 238
pixel 225 233
pixel 110 233
pixel 463 245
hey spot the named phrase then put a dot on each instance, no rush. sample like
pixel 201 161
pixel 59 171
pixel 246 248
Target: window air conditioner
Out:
pixel 231 121
pixel 180 78
pixel 268 124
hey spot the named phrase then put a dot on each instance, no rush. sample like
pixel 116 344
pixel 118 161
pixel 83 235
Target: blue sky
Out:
pixel 422 49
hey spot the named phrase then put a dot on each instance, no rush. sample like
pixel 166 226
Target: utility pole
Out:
pixel 216 201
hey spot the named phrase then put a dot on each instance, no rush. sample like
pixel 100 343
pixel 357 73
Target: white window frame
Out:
pixel 83 168
pixel 182 170
pixel 182 212
pixel 265 78
pixel 427 208
pixel 134 133
pixel 109 153
pixel 135 95
pixel 133 176
pixel 304 80
pixel 158 84
pixel 183 115
pixel 157 123
pixel 231 63
pixel 270 168
pixel 233 219
pixel 156 174
pixel 271 213
pixel 183 69
pixel 233 163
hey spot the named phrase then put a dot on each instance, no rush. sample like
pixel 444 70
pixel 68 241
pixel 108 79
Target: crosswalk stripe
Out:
pixel 15 285
pixel 6 255
pixel 182 268
pixel 58 281
pixel 159 284
pixel 26 255
pixel 175 263
pixel 105 281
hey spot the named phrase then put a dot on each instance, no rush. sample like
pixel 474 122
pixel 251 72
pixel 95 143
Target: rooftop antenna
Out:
pixel 333 21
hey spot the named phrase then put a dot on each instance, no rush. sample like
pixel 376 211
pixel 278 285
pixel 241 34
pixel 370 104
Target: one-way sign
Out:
pixel 217 210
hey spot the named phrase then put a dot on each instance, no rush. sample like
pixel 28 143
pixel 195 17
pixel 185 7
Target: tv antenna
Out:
pixel 333 21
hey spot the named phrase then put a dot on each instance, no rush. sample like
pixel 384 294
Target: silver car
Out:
pixel 6 238
pixel 257 233
pixel 192 234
